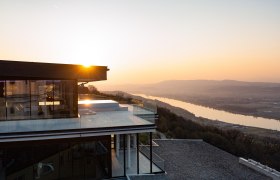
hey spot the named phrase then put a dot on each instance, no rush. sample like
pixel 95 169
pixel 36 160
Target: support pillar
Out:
pixel 124 155
pixel 151 153
pixel 128 151
pixel 117 145
pixel 134 141
pixel 137 139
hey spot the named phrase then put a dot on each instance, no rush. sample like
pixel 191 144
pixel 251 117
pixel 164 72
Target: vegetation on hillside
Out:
pixel 265 150
pixel 91 92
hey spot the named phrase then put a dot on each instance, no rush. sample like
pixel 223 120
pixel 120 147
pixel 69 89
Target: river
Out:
pixel 214 114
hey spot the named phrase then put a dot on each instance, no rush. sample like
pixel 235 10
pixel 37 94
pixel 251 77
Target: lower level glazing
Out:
pixel 79 158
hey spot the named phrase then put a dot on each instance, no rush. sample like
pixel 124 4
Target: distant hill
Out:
pixel 258 99
pixel 211 88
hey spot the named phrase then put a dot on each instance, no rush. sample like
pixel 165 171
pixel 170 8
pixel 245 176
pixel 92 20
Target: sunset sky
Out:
pixel 148 41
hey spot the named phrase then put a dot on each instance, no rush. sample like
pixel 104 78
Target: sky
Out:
pixel 148 41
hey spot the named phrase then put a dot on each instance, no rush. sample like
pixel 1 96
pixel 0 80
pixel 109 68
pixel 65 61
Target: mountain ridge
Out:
pixel 200 83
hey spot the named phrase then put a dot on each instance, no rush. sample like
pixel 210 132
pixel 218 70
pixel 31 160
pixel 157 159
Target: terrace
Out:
pixel 104 120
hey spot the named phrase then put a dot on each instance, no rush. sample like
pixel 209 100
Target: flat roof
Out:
pixel 19 70
pixel 102 123
pixel 196 159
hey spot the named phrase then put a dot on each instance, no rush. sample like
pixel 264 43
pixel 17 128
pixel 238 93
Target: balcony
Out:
pixel 96 118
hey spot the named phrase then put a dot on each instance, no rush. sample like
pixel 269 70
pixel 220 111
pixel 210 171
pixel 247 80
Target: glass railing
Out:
pixel 114 118
pixel 145 112
pixel 158 161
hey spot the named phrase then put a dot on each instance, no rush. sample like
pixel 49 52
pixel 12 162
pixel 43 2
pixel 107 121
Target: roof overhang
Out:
pixel 75 133
pixel 19 70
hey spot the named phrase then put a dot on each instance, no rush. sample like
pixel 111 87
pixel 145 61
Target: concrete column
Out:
pixel 128 151
pixel 2 172
pixel 117 145
pixel 134 141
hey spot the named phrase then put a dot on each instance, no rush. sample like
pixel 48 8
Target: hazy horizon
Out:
pixel 160 81
pixel 173 84
pixel 148 41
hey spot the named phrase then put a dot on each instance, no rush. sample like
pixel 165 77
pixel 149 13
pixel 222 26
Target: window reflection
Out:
pixel 2 101
pixel 18 99
pixel 37 99
pixel 88 159
pixel 41 93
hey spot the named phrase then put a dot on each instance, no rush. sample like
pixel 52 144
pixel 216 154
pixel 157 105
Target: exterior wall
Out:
pixel 38 99
pixel 87 158
pixel 79 158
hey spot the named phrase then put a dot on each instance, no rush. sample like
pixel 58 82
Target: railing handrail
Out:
pixel 146 148
pixel 145 108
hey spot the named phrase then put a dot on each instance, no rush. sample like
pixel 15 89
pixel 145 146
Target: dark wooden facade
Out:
pixel 19 70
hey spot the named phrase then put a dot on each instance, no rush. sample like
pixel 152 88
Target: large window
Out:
pixel 17 99
pixel 2 101
pixel 51 160
pixel 37 99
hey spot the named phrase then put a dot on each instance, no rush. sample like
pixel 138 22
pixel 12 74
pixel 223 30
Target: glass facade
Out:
pixel 144 148
pixel 2 100
pixel 38 99
pixel 50 160
pixel 132 154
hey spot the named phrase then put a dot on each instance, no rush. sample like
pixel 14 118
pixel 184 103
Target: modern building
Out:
pixel 46 132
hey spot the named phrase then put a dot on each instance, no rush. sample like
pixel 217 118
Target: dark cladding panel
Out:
pixel 36 70
pixel 2 89
pixel 80 158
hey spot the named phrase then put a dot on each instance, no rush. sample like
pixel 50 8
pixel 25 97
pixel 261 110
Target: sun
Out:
pixel 86 65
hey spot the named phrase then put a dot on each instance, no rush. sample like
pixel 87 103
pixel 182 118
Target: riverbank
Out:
pixel 219 124
pixel 257 99
pixel 262 132
pixel 215 123
pixel 248 107
pixel 221 116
